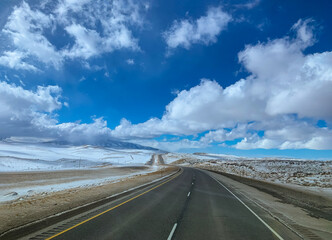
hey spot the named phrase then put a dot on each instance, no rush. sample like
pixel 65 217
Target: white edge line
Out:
pixel 172 232
pixel 267 225
pixel 188 194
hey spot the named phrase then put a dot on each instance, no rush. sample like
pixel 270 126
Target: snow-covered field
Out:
pixel 40 167
pixel 16 156
pixel 30 184
pixel 279 170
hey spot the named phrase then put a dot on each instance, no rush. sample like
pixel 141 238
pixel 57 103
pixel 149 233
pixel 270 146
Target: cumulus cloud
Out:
pixel 96 132
pixel 172 146
pixel 290 135
pixel 276 106
pixel 23 110
pixel 201 108
pixel 285 94
pixel 288 81
pixel 222 135
pixel 91 28
pixel 33 113
pixel 204 30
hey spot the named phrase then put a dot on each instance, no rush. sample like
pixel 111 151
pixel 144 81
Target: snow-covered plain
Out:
pixel 13 191
pixel 20 156
pixel 31 166
pixel 31 156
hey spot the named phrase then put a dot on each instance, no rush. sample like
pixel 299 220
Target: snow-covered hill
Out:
pixel 36 154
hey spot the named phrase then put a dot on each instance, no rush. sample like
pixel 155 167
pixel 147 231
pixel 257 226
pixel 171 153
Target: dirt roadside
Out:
pixel 306 213
pixel 35 207
pixel 19 179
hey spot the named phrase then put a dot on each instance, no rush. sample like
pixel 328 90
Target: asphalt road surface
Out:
pixel 191 205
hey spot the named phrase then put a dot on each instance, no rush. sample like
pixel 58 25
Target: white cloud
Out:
pixel 173 146
pixel 87 42
pixel 15 98
pixel 96 132
pixel 130 61
pixel 304 31
pixel 222 135
pixel 303 136
pixel 65 7
pixel 288 81
pixel 203 107
pixel 286 92
pixel 15 60
pixel 208 106
pixel 249 5
pixel 21 109
pixel 25 28
pixel 203 30
pixel 114 19
pixel 92 27
pixel 32 113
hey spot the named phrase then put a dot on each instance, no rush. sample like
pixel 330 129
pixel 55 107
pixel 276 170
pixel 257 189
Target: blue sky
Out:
pixel 240 77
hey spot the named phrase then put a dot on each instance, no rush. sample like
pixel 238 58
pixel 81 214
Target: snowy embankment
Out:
pixel 279 170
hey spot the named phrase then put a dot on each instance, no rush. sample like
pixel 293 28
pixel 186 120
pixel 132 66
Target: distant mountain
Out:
pixel 110 143
pixel 127 145
pixel 107 143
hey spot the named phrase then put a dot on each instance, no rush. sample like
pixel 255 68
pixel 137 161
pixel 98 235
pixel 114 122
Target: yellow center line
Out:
pixel 99 214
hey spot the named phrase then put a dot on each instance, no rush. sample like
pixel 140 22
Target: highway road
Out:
pixel 190 205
